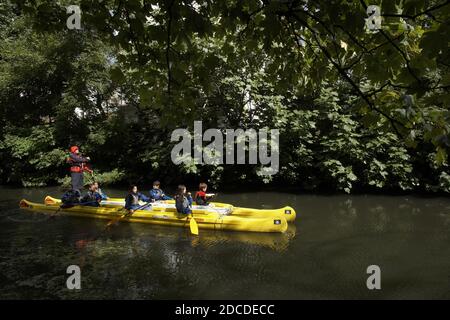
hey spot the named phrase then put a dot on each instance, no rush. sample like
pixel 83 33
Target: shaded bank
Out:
pixel 357 126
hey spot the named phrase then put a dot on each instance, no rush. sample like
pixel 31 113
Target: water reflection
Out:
pixel 144 235
pixel 323 255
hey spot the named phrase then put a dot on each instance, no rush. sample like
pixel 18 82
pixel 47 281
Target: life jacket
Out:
pixel 200 198
pixel 134 199
pixel 75 166
pixel 91 196
pixel 181 203
pixel 71 197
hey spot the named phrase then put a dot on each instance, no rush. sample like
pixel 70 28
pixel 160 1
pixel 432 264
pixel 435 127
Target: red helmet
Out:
pixel 74 149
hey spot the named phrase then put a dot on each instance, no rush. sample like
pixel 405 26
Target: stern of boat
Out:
pixel 24 204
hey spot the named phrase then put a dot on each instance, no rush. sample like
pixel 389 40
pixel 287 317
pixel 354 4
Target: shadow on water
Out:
pixel 325 254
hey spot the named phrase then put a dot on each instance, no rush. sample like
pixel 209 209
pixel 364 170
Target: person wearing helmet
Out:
pixel 77 166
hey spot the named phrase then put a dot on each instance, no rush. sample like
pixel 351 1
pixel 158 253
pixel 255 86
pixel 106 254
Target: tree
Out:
pixel 356 107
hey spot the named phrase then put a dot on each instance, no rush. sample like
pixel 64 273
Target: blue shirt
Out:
pixel 158 194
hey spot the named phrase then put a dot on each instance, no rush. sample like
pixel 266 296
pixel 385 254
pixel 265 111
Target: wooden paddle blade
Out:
pixel 194 226
pixel 114 221
pixel 111 223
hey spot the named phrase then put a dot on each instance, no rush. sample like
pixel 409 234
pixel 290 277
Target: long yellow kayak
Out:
pixel 161 216
pixel 222 208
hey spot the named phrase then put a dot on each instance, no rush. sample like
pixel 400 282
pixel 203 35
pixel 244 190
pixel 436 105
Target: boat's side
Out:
pixel 118 202
pixel 288 212
pixel 162 217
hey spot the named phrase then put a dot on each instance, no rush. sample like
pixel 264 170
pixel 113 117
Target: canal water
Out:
pixel 323 255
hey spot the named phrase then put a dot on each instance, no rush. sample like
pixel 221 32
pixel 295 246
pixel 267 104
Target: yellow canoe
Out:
pixel 161 216
pixel 222 208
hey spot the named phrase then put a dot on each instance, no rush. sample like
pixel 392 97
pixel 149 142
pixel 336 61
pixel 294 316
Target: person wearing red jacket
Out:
pixel 77 166
pixel 201 197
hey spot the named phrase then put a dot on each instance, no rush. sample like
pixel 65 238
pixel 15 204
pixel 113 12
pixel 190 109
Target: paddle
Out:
pixel 193 225
pixel 126 214
pixel 82 243
pixel 211 195
pixel 67 206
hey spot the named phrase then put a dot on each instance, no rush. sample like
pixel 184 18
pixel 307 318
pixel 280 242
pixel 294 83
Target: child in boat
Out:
pixel 70 198
pixel 100 192
pixel 201 197
pixel 183 200
pixel 133 198
pixel 156 194
pixel 92 197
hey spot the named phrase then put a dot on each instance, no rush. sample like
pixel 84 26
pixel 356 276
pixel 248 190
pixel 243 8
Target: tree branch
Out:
pixel 344 74
pixel 134 38
pixel 426 12
pixel 168 45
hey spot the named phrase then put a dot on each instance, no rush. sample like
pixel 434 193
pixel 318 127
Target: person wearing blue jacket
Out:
pixel 133 198
pixel 156 194
pixel 92 197
pixel 100 192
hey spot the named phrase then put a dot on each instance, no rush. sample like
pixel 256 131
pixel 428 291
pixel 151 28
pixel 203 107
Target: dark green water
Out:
pixel 323 256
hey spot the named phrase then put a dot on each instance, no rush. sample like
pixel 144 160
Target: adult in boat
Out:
pixel 183 200
pixel 92 197
pixel 201 197
pixel 77 166
pixel 156 194
pixel 133 198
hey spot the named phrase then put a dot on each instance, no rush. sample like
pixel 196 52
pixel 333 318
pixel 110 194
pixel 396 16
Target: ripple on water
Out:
pixel 340 236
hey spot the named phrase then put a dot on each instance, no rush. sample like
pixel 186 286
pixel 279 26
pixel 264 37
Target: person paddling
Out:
pixel 201 197
pixel 133 198
pixel 156 194
pixel 77 167
pixel 183 200
pixel 92 197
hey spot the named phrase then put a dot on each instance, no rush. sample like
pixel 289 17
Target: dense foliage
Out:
pixel 356 109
